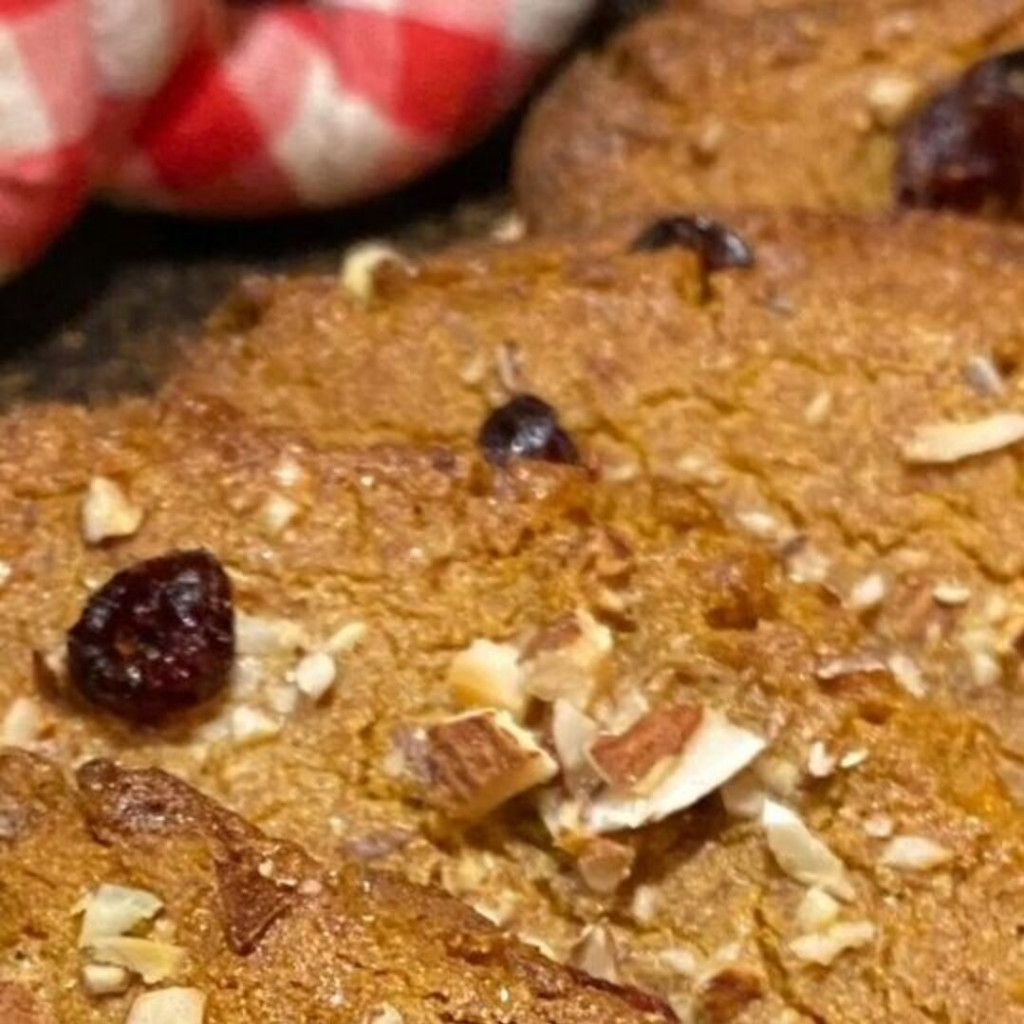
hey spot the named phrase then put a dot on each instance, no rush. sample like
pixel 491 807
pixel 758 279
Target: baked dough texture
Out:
pixel 746 104
pixel 741 729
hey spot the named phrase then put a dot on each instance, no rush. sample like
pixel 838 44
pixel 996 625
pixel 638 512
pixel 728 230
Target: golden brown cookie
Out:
pixel 130 896
pixel 631 590
pixel 851 401
pixel 585 707
pixel 801 105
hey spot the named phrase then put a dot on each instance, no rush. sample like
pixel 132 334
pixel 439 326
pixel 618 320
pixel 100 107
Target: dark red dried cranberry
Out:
pixel 156 638
pixel 526 427
pixel 717 246
pixel 965 149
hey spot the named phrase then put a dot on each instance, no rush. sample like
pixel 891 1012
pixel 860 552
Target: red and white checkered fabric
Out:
pixel 247 107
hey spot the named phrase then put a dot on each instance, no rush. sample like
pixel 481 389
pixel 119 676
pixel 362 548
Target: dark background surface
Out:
pixel 108 308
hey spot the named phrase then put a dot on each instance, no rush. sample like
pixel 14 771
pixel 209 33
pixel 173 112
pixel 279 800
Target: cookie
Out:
pixel 824 105
pixel 588 708
pixel 130 896
pixel 849 401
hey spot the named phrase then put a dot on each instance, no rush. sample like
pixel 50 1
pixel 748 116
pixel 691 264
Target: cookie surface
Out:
pixel 874 829
pixel 799 400
pixel 747 105
pixel 256 929
pixel 625 601
pixel 646 705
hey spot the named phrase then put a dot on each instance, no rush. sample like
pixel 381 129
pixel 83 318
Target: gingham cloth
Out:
pixel 249 107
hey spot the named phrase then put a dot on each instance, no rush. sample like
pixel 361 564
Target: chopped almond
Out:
pixel 891 97
pixel 716 752
pixel 23 723
pixel 385 1014
pixel 851 665
pixel 820 763
pixel 940 443
pixel 572 732
pixel 105 979
pixel 629 761
pixel 107 513
pixel 250 725
pixel 801 854
pixel 726 994
pixel 478 760
pixel 816 911
pixel 488 674
pixel 151 960
pixel 277 513
pixel 345 638
pixel 605 864
pixel 315 673
pixel 168 1006
pixel 564 660
pixel 908 674
pixel 915 853
pixel 823 947
pixel 115 910
pixel 262 637
pixel 596 954
pixel 363 264
pixel 743 796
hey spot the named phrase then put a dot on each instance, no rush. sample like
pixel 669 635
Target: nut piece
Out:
pixel 478 760
pixel 907 674
pixel 168 1006
pixel 940 443
pixel 878 826
pixel 982 374
pixel 105 979
pixel 802 855
pixel 151 960
pixel 361 265
pixel 726 994
pixel 345 638
pixel 250 725
pixel 565 659
pixel 890 98
pixel 572 732
pixel 820 763
pixel 509 228
pixel 714 753
pixel 488 674
pixel 260 637
pixel 867 593
pixel 743 796
pixel 107 512
pixel 315 673
pixel 824 947
pixel 951 595
pixel 851 665
pixel 631 760
pixel 277 513
pixel 605 864
pixel 596 954
pixel 816 911
pixel 914 853
pixel 23 723
pixel 385 1014
pixel 115 910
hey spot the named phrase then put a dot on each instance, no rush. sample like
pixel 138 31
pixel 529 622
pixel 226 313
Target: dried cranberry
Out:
pixel 718 247
pixel 526 427
pixel 157 637
pixel 965 148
